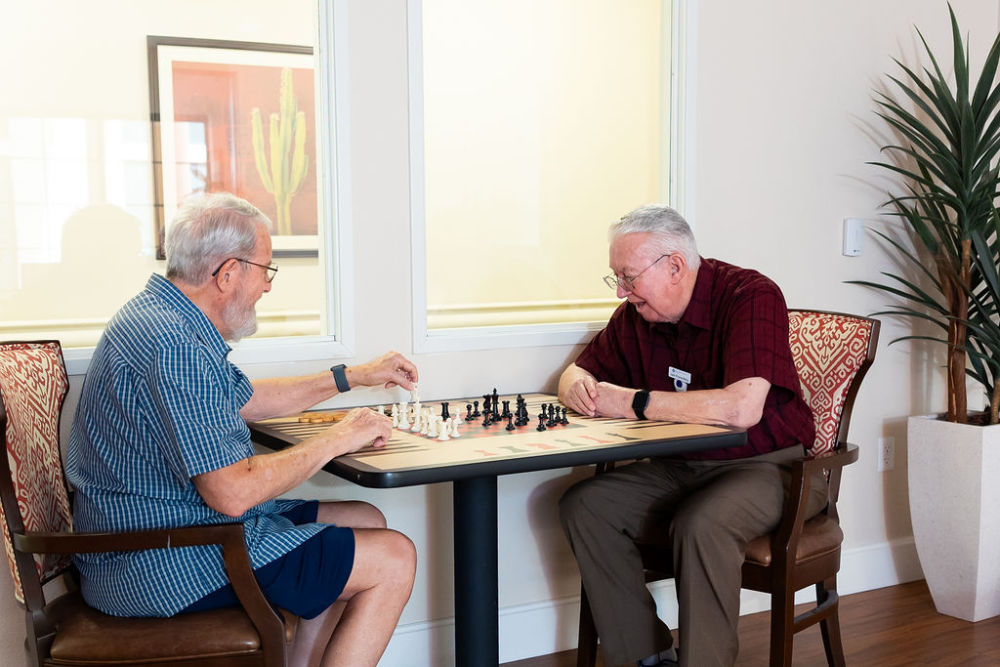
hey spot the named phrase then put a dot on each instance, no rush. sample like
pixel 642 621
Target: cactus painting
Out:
pixel 283 163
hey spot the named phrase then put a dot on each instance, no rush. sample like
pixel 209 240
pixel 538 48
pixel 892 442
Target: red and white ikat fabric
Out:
pixel 828 350
pixel 33 383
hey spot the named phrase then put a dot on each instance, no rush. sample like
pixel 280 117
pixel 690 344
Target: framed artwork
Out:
pixel 236 117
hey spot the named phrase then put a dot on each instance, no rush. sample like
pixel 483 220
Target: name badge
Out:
pixel 681 378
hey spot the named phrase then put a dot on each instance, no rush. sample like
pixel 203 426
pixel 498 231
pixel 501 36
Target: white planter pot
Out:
pixel 954 479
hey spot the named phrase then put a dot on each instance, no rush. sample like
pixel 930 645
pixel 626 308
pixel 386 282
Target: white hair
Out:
pixel 209 229
pixel 670 230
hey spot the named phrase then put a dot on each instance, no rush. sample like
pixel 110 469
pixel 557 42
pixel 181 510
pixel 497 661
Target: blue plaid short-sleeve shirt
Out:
pixel 161 404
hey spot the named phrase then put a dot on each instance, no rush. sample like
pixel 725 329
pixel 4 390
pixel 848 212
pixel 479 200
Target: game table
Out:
pixel 472 463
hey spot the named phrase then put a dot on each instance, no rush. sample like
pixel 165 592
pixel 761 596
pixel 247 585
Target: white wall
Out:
pixel 784 128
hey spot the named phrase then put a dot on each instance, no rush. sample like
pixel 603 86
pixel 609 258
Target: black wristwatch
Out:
pixel 340 377
pixel 639 403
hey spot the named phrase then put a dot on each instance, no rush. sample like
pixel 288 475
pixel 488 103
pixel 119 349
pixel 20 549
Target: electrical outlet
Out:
pixel 886 453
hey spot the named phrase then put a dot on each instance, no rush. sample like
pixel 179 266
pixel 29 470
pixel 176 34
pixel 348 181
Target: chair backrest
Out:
pixel 33 385
pixel 832 353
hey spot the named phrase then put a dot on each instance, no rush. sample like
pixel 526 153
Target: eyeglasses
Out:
pixel 270 271
pixel 627 283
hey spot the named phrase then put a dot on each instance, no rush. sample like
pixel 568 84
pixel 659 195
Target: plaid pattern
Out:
pixel 735 327
pixel 161 404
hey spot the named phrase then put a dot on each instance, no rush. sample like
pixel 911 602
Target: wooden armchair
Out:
pixel 38 535
pixel 832 353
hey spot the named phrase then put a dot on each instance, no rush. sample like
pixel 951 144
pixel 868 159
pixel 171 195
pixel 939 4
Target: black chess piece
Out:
pixel 553 419
pixel 510 421
pixel 444 411
pixel 468 412
pixel 506 409
pixel 541 422
pixel 563 420
pixel 476 412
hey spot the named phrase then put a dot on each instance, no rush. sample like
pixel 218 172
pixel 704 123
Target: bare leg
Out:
pixel 379 586
pixel 356 629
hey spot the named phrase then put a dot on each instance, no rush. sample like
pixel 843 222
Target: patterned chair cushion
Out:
pixel 828 350
pixel 33 384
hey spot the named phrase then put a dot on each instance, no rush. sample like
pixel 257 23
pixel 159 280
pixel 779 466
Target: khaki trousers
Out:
pixel 706 512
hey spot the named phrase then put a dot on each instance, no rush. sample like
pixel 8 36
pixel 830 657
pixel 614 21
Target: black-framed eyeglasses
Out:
pixel 626 282
pixel 269 271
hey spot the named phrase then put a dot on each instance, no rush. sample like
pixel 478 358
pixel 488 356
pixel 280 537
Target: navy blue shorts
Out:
pixel 306 580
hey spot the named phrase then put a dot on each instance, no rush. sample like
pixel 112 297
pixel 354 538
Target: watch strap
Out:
pixel 340 377
pixel 639 403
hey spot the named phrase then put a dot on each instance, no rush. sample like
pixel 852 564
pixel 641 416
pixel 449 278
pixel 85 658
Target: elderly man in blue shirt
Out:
pixel 160 439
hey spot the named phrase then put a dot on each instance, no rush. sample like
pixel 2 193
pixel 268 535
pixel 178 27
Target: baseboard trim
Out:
pixel 550 626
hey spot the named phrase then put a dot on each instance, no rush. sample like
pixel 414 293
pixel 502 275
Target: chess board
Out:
pixel 411 458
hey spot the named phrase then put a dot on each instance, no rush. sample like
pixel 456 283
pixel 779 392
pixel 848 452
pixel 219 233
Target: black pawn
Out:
pixel 468 412
pixel 510 421
pixel 541 422
pixel 563 420
pixel 476 412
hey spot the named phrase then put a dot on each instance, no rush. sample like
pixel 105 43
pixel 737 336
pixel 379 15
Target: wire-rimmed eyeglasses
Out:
pixel 626 282
pixel 269 271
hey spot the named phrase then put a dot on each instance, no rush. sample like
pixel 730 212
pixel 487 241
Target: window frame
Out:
pixel 677 188
pixel 333 82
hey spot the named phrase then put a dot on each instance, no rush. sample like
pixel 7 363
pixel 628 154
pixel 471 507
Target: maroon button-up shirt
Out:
pixel 735 327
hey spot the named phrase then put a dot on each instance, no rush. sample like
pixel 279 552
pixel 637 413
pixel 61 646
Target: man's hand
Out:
pixel 391 369
pixel 359 427
pixel 614 401
pixel 578 390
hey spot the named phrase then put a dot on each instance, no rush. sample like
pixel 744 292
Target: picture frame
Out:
pixel 215 106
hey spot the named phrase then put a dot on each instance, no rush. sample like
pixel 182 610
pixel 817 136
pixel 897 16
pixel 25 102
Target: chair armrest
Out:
pixel 786 537
pixel 229 534
pixel 234 554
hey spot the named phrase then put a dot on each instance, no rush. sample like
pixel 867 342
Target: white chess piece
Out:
pixel 454 427
pixel 418 419
pixel 395 415
pixel 458 415
pixel 444 436
pixel 404 418
pixel 425 422
pixel 380 409
pixel 432 429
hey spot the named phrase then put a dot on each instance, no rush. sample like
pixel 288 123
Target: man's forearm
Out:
pixel 277 397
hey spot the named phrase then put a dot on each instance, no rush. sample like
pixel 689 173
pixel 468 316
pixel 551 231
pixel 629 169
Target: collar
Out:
pixel 699 309
pixel 203 328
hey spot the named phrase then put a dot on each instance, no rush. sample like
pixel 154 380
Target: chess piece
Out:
pixel 510 421
pixel 563 420
pixel 475 412
pixel 541 422
pixel 454 427
pixel 395 415
pixel 380 409
pixel 468 412
pixel 444 429
pixel 444 410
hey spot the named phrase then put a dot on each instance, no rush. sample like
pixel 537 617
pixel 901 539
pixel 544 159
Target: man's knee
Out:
pixel 401 556
pixel 371 516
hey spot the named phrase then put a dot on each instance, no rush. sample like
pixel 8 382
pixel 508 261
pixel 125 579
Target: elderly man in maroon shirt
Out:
pixel 697 340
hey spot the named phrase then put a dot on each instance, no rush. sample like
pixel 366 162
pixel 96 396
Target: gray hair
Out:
pixel 670 230
pixel 209 229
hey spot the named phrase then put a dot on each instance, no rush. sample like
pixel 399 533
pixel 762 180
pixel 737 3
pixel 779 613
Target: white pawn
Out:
pixel 395 415
pixel 454 427
pixel 418 420
pixel 458 416
pixel 380 409
pixel 432 429
pixel 445 429
pixel 425 422
pixel 404 419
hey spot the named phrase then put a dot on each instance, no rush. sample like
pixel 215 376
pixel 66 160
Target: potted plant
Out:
pixel 950 138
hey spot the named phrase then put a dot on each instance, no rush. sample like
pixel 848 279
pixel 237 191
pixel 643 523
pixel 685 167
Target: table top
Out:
pixel 410 458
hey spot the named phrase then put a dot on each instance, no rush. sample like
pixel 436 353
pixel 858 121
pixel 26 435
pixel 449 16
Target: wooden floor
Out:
pixel 888 627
